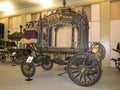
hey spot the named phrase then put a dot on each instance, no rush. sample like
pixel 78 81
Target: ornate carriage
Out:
pixel 82 65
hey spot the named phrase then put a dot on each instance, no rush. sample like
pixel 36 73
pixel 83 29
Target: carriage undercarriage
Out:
pixel 83 68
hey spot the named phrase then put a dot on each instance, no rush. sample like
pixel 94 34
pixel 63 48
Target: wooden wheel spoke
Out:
pixel 73 67
pixel 89 78
pixel 85 81
pixel 80 79
pixel 76 75
pixel 73 72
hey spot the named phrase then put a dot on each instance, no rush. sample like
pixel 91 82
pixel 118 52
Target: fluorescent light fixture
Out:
pixel 44 3
pixel 6 7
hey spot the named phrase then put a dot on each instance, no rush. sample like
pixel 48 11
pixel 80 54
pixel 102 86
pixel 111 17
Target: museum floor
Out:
pixel 11 78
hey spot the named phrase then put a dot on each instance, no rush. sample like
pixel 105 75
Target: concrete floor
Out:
pixel 11 78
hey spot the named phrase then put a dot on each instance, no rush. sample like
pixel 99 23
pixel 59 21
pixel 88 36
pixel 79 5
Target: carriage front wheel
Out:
pixel 84 69
pixel 28 69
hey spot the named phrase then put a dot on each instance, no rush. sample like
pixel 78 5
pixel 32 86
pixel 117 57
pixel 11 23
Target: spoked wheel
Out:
pixel 84 69
pixel 47 64
pixel 18 59
pixel 99 49
pixel 28 69
pixel 117 64
pixel 2 58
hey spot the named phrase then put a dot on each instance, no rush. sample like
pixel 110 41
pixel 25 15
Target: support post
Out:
pixel 73 37
pixel 56 30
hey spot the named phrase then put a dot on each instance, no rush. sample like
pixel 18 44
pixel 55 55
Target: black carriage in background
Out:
pixel 6 48
pixel 117 60
pixel 17 55
pixel 10 48
pixel 82 64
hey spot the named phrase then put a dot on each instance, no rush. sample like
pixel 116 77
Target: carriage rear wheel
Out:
pixel 99 50
pixel 18 59
pixel 47 64
pixel 117 64
pixel 28 69
pixel 84 69
pixel 2 58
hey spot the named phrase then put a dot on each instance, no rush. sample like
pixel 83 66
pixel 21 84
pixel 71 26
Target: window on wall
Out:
pixel 115 10
pixel 35 16
pixel 28 17
pixel 14 23
pixel 115 21
pixel 93 13
pixel 94 35
pixel 87 9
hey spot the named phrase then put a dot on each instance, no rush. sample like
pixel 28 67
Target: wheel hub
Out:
pixel 83 69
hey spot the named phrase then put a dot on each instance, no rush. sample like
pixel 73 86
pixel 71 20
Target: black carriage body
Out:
pixel 60 18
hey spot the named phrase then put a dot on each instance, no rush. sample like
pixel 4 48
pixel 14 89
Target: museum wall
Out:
pixel 104 25
pixel 115 28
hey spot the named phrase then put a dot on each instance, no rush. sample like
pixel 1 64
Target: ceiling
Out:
pixel 18 4
pixel 23 4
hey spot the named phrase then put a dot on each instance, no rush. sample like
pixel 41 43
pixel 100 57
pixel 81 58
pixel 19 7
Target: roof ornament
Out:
pixel 64 3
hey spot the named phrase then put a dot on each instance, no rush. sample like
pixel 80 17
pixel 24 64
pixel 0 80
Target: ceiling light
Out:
pixel 44 3
pixel 6 7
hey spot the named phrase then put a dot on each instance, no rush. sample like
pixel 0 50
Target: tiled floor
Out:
pixel 11 78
